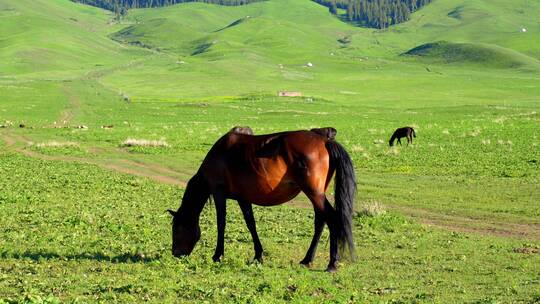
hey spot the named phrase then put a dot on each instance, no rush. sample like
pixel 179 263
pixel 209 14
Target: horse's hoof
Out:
pixel 258 259
pixel 306 263
pixel 217 258
pixel 331 269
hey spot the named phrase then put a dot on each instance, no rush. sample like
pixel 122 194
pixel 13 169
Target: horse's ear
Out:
pixel 173 213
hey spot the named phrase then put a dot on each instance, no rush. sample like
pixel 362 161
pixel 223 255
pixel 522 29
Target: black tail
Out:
pixel 345 191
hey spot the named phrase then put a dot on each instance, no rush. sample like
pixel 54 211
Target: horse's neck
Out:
pixel 195 197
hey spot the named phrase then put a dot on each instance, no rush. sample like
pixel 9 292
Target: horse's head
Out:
pixel 184 235
pixel 185 225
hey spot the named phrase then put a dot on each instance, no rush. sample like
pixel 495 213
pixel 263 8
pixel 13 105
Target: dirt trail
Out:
pixel 153 171
pixel 453 222
pixel 470 225
pixel 74 104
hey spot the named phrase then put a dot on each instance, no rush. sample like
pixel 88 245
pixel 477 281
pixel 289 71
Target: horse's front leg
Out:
pixel 221 213
pixel 247 211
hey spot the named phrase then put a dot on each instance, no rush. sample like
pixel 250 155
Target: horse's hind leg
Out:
pixel 221 212
pixel 326 213
pixel 312 175
pixel 247 211
pixel 319 226
pixel 331 220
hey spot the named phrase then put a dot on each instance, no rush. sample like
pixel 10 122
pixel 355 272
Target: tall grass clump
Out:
pixel 371 209
pixel 56 144
pixel 132 142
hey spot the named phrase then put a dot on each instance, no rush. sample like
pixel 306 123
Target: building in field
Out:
pixel 289 94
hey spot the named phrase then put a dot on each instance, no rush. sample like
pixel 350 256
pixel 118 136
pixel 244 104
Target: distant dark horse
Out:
pixel 269 170
pixel 402 132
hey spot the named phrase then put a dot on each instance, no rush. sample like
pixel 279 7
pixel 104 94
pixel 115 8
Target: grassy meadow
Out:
pixel 453 218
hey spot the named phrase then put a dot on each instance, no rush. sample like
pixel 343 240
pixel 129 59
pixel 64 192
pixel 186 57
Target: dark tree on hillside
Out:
pixel 370 13
pixel 332 8
pixel 120 7
pixel 376 13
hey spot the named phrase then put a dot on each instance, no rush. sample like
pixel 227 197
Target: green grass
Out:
pixel 75 229
pixel 55 40
pixel 108 240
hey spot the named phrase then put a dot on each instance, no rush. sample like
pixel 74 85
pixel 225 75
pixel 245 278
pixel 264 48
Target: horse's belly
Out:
pixel 266 192
pixel 278 196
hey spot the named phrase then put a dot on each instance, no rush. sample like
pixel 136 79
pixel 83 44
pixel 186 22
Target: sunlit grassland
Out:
pixel 76 231
pixel 93 235
pixel 462 201
pixel 490 150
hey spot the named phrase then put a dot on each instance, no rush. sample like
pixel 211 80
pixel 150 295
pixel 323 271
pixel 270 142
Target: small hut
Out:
pixel 289 94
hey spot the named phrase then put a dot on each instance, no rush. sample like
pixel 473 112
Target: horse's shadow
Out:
pixel 96 256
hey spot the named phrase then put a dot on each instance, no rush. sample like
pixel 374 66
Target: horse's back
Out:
pixel 402 132
pixel 273 145
pixel 264 169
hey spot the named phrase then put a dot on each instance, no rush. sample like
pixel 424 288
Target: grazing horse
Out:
pixel 269 170
pixel 403 132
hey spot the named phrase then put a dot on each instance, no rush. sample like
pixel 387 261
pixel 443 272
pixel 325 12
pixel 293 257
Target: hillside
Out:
pixel 40 37
pixel 264 47
pixel 489 56
pixel 122 6
pixel 495 22
pixel 275 29
pixel 260 48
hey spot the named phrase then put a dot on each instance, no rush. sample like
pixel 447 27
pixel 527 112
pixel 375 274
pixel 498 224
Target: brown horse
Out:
pixel 269 170
pixel 399 133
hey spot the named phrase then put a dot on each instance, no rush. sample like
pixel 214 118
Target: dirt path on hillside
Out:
pixel 74 102
pixel 73 105
pixel 471 225
pixel 153 171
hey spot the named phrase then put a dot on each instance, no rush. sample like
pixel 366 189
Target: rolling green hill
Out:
pixel 274 29
pixel 489 56
pixel 204 52
pixel 102 123
pixel 264 47
pixel 197 51
pixel 495 22
pixel 54 38
pixel 255 49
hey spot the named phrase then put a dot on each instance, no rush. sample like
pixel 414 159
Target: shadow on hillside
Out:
pixel 118 259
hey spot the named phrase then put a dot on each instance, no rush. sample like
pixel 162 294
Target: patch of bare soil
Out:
pixel 527 250
pixel 471 225
pixel 153 171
